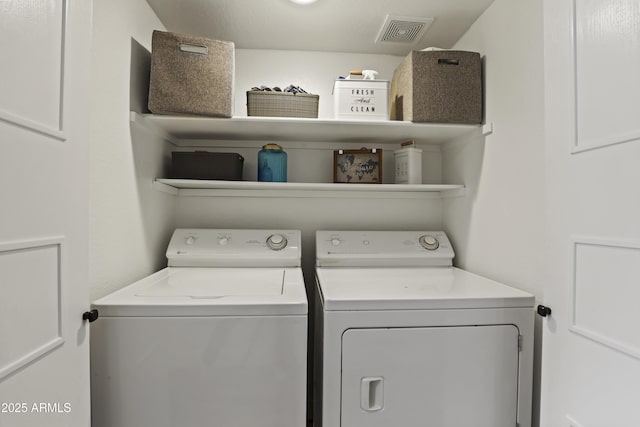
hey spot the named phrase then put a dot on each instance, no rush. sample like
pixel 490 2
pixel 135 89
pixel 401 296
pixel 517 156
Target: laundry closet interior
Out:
pixel 481 184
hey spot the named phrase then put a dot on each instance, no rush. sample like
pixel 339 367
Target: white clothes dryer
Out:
pixel 405 339
pixel 217 338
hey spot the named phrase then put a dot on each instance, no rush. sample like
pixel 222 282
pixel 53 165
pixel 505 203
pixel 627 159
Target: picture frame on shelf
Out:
pixel 363 166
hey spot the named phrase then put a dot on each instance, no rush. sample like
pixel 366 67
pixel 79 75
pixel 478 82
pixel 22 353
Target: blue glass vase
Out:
pixel 272 164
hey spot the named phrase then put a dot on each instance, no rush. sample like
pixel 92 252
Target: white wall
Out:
pixel 313 71
pixel 498 229
pixel 129 222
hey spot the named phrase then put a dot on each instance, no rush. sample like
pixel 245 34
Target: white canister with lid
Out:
pixel 408 162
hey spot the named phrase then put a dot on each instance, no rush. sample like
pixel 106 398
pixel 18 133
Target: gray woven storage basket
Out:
pixel 438 87
pixel 191 75
pixel 282 104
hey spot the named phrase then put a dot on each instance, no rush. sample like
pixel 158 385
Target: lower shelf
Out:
pixel 189 187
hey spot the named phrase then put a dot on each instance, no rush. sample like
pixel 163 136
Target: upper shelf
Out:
pixel 180 128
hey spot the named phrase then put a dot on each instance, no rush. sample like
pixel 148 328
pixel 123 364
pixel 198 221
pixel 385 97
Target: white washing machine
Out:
pixel 218 338
pixel 405 339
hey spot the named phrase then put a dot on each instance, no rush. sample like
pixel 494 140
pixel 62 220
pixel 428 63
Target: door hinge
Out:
pixel 519 348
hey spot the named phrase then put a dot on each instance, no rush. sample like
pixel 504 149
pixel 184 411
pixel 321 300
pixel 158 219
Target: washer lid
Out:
pixel 349 289
pixel 210 292
pixel 207 283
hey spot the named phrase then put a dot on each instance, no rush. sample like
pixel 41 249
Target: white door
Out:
pixel 591 345
pixel 436 377
pixel 44 357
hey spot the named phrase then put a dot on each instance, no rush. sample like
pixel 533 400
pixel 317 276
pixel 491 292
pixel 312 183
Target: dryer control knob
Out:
pixel 190 240
pixel 335 241
pixel 276 242
pixel 430 243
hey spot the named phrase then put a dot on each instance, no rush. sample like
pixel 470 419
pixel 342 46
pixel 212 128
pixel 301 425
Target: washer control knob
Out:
pixel 223 241
pixel 428 242
pixel 276 242
pixel 190 240
pixel 335 241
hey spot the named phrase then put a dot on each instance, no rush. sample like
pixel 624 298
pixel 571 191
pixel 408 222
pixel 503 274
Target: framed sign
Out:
pixel 362 166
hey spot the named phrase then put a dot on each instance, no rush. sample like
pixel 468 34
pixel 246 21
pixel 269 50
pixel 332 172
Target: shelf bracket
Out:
pixel 456 192
pixel 140 120
pixel 164 188
pixel 487 129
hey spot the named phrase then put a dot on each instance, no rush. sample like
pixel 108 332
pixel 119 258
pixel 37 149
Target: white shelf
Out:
pixel 189 131
pixel 187 187
pixel 182 129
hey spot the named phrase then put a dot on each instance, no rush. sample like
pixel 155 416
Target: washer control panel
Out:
pixel 234 248
pixel 383 248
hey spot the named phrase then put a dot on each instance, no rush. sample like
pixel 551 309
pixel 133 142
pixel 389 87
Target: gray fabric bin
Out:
pixel 191 75
pixel 438 87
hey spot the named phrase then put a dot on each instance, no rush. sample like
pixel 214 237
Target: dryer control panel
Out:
pixel 383 249
pixel 198 247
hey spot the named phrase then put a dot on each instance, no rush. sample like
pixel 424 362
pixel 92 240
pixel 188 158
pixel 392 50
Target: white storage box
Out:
pixel 408 165
pixel 360 99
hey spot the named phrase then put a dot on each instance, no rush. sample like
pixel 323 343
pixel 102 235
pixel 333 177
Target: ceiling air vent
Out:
pixel 403 29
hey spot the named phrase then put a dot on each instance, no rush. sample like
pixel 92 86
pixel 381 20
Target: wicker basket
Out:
pixel 282 104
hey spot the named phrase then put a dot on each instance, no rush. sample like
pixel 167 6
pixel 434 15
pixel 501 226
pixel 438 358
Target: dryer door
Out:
pixel 438 376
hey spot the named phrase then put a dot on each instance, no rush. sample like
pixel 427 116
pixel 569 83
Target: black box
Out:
pixel 205 165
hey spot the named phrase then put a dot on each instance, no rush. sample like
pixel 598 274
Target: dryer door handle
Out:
pixel 372 394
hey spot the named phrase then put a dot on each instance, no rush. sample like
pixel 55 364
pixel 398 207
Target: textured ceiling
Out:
pixel 327 25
